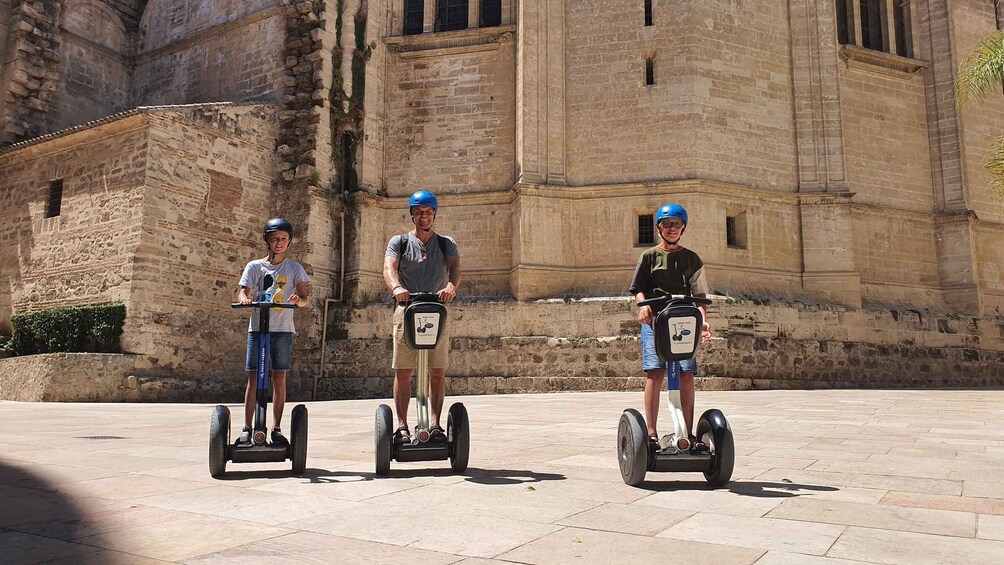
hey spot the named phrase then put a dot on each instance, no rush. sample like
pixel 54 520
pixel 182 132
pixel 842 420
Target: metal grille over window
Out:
pixel 55 201
pixel 646 230
pixel 414 15
pixel 879 25
pixel 452 15
pixel 491 13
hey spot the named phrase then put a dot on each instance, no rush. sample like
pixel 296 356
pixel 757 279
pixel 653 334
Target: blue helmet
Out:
pixel 671 211
pixel 423 198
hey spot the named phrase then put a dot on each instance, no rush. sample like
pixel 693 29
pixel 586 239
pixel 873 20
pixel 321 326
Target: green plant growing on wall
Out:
pixel 979 74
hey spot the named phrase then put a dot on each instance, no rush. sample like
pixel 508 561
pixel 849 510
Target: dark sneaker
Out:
pixel 278 438
pixel 245 437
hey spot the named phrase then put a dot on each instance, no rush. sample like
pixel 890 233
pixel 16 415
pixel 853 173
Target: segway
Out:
pixel 677 335
pixel 258 450
pixel 424 319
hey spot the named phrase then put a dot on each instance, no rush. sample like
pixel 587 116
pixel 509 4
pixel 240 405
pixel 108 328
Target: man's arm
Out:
pixel 453 272
pixel 391 279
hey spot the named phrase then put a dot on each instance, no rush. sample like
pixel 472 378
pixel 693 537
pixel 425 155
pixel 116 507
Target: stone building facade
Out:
pixel 815 143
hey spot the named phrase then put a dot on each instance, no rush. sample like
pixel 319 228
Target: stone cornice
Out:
pixel 450 42
pixel 880 61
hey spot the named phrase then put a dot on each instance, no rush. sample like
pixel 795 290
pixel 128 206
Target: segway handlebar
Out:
pixel 662 300
pixel 263 305
pixel 423 297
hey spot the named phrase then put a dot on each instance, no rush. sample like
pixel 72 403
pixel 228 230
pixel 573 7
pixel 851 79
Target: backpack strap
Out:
pixel 442 245
pixel 402 246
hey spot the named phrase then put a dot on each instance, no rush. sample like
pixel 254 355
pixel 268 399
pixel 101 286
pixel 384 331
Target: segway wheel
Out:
pixel 714 430
pixel 459 433
pixel 384 438
pixel 632 447
pixel 298 442
pixel 219 439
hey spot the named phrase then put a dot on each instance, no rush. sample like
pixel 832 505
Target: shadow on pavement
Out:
pixel 744 488
pixel 37 520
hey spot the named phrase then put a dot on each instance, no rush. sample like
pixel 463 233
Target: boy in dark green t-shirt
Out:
pixel 668 268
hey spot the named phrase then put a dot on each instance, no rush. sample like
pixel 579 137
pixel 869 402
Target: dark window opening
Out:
pixel 414 16
pixel 648 13
pixel 491 13
pixel 872 25
pixel 452 15
pixel 845 22
pixel 646 230
pixel 999 13
pixel 901 25
pixel 735 231
pixel 649 71
pixel 55 202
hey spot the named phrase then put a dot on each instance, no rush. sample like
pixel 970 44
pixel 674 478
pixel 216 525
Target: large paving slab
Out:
pixel 822 477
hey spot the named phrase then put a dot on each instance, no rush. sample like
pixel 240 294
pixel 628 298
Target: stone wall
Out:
pixel 183 59
pixel 85 254
pixel 31 68
pixel 721 73
pixel 450 109
pixel 592 345
pixel 96 68
pixel 206 197
pixel 103 377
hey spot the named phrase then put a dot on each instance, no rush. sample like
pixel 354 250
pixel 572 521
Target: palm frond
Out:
pixel 981 71
pixel 995 166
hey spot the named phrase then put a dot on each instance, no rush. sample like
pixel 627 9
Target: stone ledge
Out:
pixel 108 377
pixel 879 61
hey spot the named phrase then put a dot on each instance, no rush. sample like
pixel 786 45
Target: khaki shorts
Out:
pixel 406 357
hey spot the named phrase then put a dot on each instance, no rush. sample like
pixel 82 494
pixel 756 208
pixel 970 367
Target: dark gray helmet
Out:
pixel 277 224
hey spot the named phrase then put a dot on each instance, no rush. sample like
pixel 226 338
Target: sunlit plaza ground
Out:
pixel 821 477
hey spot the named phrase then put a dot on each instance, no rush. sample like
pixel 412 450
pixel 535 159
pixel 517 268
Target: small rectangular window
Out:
pixel 414 16
pixel 736 235
pixel 491 13
pixel 646 230
pixel 55 202
pixel 648 13
pixel 649 71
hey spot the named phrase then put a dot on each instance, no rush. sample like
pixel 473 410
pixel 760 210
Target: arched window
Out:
pixel 414 16
pixel 452 15
pixel 491 13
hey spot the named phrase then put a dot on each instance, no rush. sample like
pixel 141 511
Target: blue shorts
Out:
pixel 280 353
pixel 650 359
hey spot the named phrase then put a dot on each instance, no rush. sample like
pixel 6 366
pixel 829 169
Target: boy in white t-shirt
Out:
pixel 290 285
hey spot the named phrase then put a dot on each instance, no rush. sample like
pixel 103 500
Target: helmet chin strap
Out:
pixel 673 243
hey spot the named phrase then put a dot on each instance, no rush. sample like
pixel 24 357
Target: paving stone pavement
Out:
pixel 822 477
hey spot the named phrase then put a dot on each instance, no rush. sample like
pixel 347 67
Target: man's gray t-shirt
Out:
pixel 285 277
pixel 422 267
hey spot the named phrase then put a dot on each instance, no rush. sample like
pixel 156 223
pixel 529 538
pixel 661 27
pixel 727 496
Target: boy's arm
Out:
pixel 243 296
pixel 302 292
